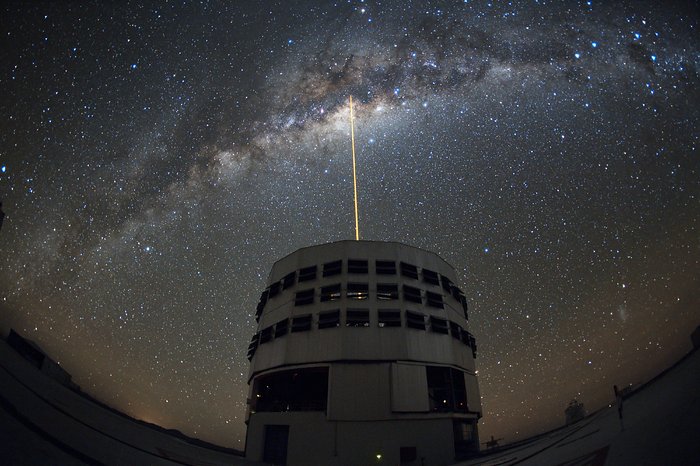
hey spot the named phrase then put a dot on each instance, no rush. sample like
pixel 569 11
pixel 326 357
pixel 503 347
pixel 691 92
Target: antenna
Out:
pixel 354 171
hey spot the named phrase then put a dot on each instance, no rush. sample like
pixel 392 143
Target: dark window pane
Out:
pixel 446 283
pixel 274 289
pixel 387 291
pixel 415 320
pixel 465 308
pixel 329 319
pixel 307 274
pixel 266 334
pixel 386 268
pixel 411 294
pixel 446 389
pixel 434 299
pixel 281 328
pixel 357 291
pixel 261 305
pixel 455 330
pixel 289 280
pixel 409 270
pixel 253 346
pixel 357 318
pixel 430 277
pixel 304 297
pixel 292 390
pixel 389 318
pixel 301 323
pixel 357 266
pixel 438 325
pixel 330 292
pixel 332 268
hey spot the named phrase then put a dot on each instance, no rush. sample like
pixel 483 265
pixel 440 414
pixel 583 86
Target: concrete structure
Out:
pixel 362 356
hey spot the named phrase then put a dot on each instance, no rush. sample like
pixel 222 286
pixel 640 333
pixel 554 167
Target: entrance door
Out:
pixel 276 438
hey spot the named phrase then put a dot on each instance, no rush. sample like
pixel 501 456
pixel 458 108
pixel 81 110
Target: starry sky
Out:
pixel 157 158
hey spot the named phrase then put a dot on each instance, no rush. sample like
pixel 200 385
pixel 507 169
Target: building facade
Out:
pixel 362 356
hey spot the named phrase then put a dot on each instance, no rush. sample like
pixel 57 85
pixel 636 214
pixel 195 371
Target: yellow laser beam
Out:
pixel 354 171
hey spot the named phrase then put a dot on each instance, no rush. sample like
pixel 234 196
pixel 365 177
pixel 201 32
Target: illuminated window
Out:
pixel 301 323
pixel 357 318
pixel 387 291
pixel 386 268
pixel 357 266
pixel 307 274
pixel 304 297
pixel 389 318
pixel 430 277
pixel 357 291
pixel 434 299
pixel 332 268
pixel 412 294
pixel 289 280
pixel 329 319
pixel 415 320
pixel 330 292
pixel 409 270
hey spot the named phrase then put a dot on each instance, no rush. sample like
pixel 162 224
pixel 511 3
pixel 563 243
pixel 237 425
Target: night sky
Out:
pixel 155 160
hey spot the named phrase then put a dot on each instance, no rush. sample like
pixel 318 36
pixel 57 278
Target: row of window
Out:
pixel 360 291
pixel 361 318
pixel 307 390
pixel 356 266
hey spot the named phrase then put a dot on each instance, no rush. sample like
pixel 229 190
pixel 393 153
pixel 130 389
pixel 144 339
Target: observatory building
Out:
pixel 362 356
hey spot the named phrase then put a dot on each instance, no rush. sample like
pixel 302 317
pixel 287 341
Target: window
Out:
pixel 261 305
pixel 330 292
pixel 430 277
pixel 412 294
pixel 446 389
pixel 274 289
pixel 357 318
pixel 434 299
pixel 307 274
pixel 265 335
pixel 253 346
pixel 415 320
pixel 456 292
pixel 357 291
pixel 409 270
pixel 387 291
pixel 386 268
pixel 304 297
pixel 389 318
pixel 281 328
pixel 446 283
pixel 329 319
pixel 469 340
pixel 301 323
pixel 289 280
pixel 455 330
pixel 292 390
pixel 357 266
pixel 332 268
pixel 438 325
pixel 465 308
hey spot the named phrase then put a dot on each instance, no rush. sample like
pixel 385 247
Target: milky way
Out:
pixel 157 159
